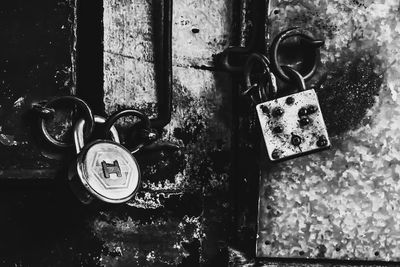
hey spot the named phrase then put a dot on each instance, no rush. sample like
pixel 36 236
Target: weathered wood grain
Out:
pixel 201 29
pixel 201 116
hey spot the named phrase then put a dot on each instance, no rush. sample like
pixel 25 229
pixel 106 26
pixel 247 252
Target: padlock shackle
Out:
pixel 79 138
pixel 306 38
pixel 262 89
pixel 83 107
pixel 144 122
pixel 295 77
pixel 125 113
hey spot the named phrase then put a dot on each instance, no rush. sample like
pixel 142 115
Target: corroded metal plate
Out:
pixel 293 125
pixel 342 203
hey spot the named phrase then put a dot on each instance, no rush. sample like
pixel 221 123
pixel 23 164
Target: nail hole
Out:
pixel 195 30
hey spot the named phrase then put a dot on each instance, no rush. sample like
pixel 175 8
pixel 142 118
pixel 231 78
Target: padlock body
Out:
pixel 104 170
pixel 293 125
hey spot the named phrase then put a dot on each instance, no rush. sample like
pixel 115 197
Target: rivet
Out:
pixel 277 112
pixel 289 100
pixel 265 109
pixel 305 121
pixel 303 112
pixel 276 154
pixel 277 129
pixel 312 109
pixel 322 141
pixel 296 140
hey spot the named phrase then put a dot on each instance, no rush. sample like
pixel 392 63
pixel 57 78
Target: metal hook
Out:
pixel 306 39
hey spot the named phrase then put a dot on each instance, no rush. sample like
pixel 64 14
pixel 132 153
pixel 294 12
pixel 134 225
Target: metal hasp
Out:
pixel 163 61
pixel 303 55
pixel 256 41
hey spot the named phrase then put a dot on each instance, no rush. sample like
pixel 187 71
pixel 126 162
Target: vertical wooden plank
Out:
pixel 201 118
pixel 128 56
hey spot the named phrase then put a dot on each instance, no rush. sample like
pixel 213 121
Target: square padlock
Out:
pixel 293 125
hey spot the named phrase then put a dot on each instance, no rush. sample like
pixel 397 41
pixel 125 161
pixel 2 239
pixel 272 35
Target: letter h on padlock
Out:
pixel 90 175
pixel 292 125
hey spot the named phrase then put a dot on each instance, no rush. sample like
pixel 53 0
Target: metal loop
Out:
pixel 124 113
pixel 226 55
pixel 79 139
pixel 296 77
pixel 84 108
pixel 262 89
pixel 293 32
pixel 256 37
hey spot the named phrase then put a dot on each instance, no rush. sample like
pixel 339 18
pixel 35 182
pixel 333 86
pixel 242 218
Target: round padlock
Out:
pixel 103 169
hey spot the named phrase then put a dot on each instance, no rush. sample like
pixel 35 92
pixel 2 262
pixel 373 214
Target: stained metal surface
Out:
pixel 341 203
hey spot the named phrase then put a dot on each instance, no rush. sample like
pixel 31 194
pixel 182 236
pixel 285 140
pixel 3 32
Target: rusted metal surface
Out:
pixel 341 203
pixel 293 128
pixel 36 64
